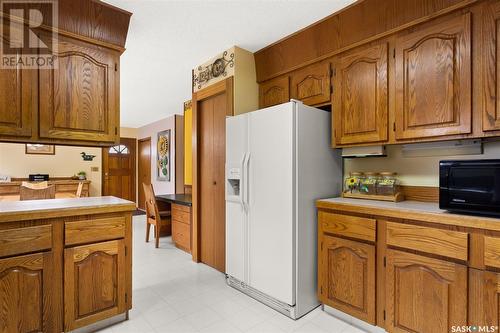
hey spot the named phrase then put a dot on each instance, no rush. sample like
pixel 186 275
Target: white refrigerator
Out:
pixel 278 162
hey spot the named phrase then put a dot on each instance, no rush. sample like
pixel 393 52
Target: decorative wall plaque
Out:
pixel 214 70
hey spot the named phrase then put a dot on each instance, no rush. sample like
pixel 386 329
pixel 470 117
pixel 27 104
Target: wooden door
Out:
pixel 18 100
pixel 491 68
pixel 79 100
pixel 433 80
pixel 311 84
pixel 24 283
pixel 94 283
pixel 118 168
pixel 361 101
pixel 144 170
pixel 212 151
pixel 346 277
pixel 424 295
pixel 274 92
pixel 484 298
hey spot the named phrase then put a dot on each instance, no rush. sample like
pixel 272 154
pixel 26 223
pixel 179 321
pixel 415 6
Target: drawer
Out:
pixel 181 235
pixel 24 240
pixel 70 187
pixel 182 208
pixel 492 251
pixel 349 226
pixel 88 231
pixel 181 215
pixel 447 243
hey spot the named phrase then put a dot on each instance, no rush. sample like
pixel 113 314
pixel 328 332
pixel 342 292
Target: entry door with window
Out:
pixel 118 166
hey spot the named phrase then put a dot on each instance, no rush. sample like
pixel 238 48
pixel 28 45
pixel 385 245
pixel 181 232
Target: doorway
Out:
pixel 144 170
pixel 211 167
pixel 118 169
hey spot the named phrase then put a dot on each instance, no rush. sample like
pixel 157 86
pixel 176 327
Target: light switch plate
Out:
pixel 94 169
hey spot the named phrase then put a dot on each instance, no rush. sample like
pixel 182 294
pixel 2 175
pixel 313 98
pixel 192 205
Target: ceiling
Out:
pixel 168 38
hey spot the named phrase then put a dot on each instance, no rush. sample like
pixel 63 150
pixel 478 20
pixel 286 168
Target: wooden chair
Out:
pixel 26 193
pixel 79 190
pixel 160 219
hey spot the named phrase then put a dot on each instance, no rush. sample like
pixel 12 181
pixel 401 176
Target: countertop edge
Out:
pixel 445 218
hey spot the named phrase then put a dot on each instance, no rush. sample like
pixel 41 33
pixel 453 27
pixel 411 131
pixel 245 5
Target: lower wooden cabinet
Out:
pixel 25 287
pixel 424 294
pixel 181 227
pixel 94 283
pixel 347 277
pixel 484 298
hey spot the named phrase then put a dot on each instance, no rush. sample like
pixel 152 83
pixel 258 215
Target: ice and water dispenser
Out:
pixel 233 183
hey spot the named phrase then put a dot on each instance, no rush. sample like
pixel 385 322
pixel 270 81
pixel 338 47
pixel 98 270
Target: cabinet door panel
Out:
pixel 311 84
pixel 484 298
pixel 360 98
pixel 23 283
pixel 274 92
pixel 347 277
pixel 79 98
pixel 18 100
pixel 94 283
pixel 433 80
pixel 491 75
pixel 424 295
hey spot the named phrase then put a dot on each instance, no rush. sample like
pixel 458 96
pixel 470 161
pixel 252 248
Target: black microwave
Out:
pixel 470 186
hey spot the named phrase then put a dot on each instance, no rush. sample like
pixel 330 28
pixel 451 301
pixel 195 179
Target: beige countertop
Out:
pixel 411 210
pixel 50 208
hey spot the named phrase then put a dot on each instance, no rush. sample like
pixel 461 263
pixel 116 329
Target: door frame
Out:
pixel 134 168
pixel 225 86
pixel 138 166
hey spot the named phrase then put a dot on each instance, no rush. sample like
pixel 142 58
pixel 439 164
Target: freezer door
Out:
pixel 236 217
pixel 271 202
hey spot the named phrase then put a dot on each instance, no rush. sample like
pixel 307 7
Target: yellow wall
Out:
pixel 188 147
pixel 66 162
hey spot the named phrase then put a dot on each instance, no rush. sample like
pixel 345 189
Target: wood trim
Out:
pixel 421 193
pixel 264 77
pixel 210 91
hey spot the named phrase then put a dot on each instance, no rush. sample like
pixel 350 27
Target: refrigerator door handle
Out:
pixel 245 181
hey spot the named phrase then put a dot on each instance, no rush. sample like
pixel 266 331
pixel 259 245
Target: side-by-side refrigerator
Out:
pixel 278 162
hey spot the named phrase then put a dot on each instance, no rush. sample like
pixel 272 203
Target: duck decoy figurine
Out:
pixel 87 157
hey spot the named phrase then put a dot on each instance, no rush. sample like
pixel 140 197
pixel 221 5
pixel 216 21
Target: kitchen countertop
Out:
pixel 51 208
pixel 410 210
pixel 180 199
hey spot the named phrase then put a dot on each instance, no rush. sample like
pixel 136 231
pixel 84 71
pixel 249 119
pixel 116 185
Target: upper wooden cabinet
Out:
pixel 491 69
pixel 346 276
pixel 424 294
pixel 361 101
pixel 433 80
pixel 274 92
pixel 79 99
pixel 311 84
pixel 94 283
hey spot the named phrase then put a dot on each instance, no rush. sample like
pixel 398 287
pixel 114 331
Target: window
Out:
pixel 119 149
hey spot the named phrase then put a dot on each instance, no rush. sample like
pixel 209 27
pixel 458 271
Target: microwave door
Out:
pixel 474 186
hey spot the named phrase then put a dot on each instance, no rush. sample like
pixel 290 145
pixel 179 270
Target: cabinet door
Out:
pixel 311 84
pixel 424 295
pixel 491 75
pixel 24 283
pixel 94 283
pixel 79 99
pixel 360 100
pixel 433 80
pixel 275 91
pixel 18 100
pixel 484 298
pixel 346 277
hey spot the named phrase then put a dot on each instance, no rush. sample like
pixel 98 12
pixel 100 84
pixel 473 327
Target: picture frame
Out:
pixel 38 149
pixel 163 156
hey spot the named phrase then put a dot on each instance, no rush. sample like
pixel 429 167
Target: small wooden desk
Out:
pixel 181 218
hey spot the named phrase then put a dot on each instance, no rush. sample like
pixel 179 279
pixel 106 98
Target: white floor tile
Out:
pixel 203 318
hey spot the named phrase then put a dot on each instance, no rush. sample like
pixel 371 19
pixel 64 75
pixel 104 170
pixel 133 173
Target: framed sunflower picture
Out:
pixel 163 156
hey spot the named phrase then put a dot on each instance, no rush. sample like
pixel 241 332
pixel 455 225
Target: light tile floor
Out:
pixel 172 294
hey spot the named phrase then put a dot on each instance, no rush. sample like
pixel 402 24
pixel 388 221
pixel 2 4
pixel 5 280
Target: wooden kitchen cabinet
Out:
pixel 484 294
pixel 311 84
pixel 94 283
pixel 346 276
pixel 424 294
pixel 26 294
pixel 274 92
pixel 181 227
pixel 79 99
pixel 361 102
pixel 433 80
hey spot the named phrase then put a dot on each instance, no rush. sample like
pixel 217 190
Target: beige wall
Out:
pixel 66 162
pixel 415 171
pixel 129 132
